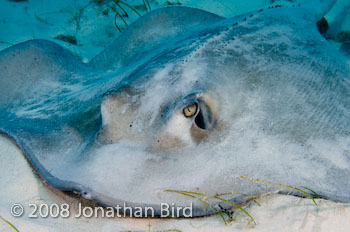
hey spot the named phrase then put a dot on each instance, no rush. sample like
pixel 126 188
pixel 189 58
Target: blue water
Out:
pixel 86 27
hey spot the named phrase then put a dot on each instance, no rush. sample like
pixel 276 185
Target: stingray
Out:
pixel 185 100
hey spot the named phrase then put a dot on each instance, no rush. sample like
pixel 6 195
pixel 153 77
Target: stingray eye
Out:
pixel 191 110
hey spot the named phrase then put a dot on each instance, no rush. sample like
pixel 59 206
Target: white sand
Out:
pixel 276 213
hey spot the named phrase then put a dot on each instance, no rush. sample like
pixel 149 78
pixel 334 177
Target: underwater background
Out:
pixel 86 27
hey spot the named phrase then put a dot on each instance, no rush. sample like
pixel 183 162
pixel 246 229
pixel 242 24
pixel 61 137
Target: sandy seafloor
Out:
pixel 93 30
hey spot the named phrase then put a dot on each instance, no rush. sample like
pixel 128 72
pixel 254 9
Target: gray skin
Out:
pixel 208 105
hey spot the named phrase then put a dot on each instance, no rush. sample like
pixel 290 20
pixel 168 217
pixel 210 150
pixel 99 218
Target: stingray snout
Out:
pixel 187 122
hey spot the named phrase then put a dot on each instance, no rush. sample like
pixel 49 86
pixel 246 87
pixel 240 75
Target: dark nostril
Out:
pixel 204 118
pixel 199 120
